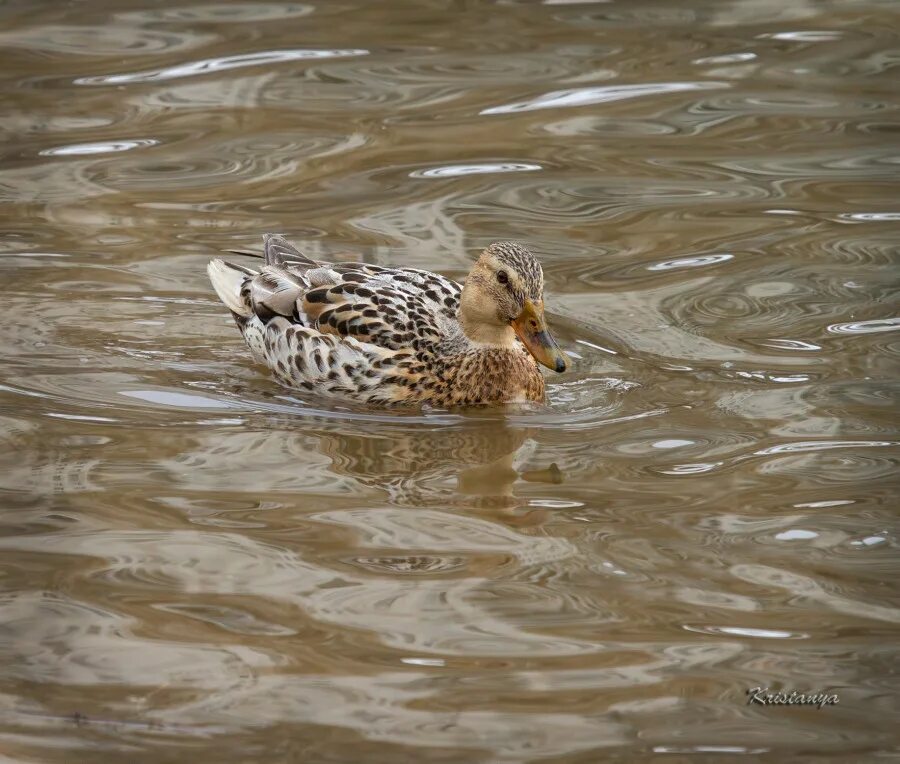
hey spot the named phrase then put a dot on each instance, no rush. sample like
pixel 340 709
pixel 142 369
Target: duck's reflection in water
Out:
pixel 477 464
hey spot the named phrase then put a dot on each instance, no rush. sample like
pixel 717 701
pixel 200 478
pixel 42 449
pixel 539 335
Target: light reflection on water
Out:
pixel 212 65
pixel 197 562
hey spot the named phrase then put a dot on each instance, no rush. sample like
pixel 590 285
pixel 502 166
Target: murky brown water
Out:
pixel 198 565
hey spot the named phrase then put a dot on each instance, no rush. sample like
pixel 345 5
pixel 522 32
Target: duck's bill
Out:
pixel 531 328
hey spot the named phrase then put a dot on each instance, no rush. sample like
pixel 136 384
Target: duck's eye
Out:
pixel 502 277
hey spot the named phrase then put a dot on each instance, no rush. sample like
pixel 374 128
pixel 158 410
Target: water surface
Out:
pixel 200 565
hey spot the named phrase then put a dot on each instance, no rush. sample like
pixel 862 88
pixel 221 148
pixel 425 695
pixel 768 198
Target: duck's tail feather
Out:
pixel 244 252
pixel 280 252
pixel 232 284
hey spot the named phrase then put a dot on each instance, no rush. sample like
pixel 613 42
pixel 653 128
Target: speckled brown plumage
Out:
pixel 377 335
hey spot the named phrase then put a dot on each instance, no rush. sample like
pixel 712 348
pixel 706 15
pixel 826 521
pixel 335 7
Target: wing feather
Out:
pixel 352 329
pixel 391 307
pixel 280 252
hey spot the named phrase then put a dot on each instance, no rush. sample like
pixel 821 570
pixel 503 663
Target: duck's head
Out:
pixel 503 297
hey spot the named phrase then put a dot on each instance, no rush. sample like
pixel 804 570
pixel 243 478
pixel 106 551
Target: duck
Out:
pixel 393 336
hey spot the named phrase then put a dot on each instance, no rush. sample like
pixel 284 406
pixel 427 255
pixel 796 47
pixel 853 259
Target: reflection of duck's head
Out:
pixel 503 298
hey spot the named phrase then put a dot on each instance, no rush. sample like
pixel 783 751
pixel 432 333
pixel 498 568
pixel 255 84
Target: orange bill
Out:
pixel 531 327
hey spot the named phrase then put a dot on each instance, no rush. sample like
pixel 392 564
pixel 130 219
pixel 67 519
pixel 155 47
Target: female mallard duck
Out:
pixel 389 336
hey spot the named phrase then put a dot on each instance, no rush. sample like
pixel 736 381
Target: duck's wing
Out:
pixel 393 308
pixel 390 307
pixel 352 329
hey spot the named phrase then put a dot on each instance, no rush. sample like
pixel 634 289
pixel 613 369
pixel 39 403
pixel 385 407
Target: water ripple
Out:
pixel 875 326
pixel 822 445
pixel 107 40
pixel 223 63
pixel 602 94
pixel 230 13
pixel 105 147
pixel 697 261
pixel 481 168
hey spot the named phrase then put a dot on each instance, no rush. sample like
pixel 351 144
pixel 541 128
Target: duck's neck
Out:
pixel 495 335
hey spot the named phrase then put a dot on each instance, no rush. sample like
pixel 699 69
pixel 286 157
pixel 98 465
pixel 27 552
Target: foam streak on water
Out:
pixel 196 564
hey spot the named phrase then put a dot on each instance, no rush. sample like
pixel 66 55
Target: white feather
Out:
pixel 227 281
